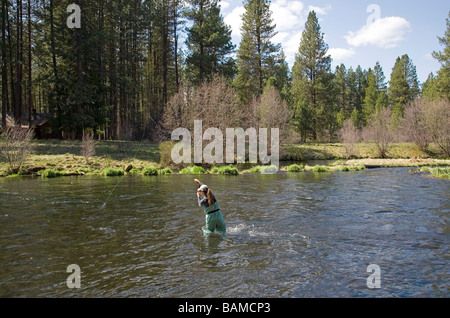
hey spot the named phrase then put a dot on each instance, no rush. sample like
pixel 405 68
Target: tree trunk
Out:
pixel 19 67
pixel 4 66
pixel 30 86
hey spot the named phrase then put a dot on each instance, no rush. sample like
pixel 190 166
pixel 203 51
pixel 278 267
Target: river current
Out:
pixel 288 235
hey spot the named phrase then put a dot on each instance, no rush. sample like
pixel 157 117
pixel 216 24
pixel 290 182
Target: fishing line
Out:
pixel 121 179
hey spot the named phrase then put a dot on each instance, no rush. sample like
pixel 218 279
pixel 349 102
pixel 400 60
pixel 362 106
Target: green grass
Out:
pixel 112 172
pixel 255 169
pixel 334 151
pixel 192 170
pixel 134 172
pixel 50 173
pixel 225 170
pixel 295 168
pixel 262 169
pixel 165 171
pixel 150 171
pixel 133 157
pixel 442 173
pixel 318 169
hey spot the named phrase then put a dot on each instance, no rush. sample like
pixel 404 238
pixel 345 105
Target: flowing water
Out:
pixel 289 235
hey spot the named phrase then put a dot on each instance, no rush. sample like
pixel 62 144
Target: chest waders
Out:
pixel 214 220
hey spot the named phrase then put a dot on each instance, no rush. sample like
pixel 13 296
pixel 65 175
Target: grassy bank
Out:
pixel 54 158
pixel 442 173
pixel 336 151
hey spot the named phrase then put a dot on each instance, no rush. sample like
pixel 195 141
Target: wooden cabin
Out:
pixel 41 123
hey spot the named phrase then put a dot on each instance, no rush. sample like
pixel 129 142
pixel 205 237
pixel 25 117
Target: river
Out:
pixel 288 235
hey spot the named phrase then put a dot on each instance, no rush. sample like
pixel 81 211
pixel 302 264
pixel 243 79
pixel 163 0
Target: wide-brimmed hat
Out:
pixel 203 188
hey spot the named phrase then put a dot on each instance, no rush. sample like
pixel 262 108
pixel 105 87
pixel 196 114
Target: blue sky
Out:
pixel 394 28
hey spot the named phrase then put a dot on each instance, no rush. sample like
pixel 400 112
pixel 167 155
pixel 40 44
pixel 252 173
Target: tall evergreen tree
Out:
pixel 404 86
pixel 371 97
pixel 256 55
pixel 208 42
pixel 379 77
pixel 375 92
pixel 340 80
pixel 439 86
pixel 311 79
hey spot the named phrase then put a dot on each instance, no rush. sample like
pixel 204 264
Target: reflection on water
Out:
pixel 288 235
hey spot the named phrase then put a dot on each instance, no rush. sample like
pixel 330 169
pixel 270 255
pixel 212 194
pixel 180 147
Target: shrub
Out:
pixel 165 171
pixel 198 170
pixel 256 169
pixel 150 171
pixel 49 173
pixel 192 170
pixel 443 173
pixel 165 153
pixel 15 146
pixel 358 167
pixel 134 171
pixel 350 136
pixel 269 169
pixel 380 132
pixel 295 168
pixel 88 145
pixel 225 170
pixel 111 172
pixel 321 169
pixel 84 170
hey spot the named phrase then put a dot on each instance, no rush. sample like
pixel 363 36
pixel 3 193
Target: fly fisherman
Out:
pixel 214 218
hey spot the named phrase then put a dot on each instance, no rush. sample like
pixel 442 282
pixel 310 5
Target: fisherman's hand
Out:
pixel 196 181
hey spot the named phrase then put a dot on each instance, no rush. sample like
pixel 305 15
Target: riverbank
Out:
pixel 442 173
pixel 54 158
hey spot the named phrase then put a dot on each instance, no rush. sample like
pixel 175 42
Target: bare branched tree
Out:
pixel 15 146
pixel 88 145
pixel 379 131
pixel 425 122
pixel 273 112
pixel 213 102
pixel 414 126
pixel 350 136
pixel 437 118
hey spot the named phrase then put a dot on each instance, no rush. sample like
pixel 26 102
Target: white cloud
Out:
pixel 224 5
pixel 340 54
pixel 429 57
pixel 319 10
pixel 289 17
pixel 384 33
pixel 234 20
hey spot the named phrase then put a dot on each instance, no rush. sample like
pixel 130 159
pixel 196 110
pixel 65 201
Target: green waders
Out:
pixel 215 222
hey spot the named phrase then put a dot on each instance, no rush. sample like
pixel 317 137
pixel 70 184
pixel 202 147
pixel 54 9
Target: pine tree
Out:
pixel 257 54
pixel 404 86
pixel 209 42
pixel 340 81
pixel 311 76
pixel 281 73
pixel 439 86
pixel 371 97
pixel 375 92
pixel 379 77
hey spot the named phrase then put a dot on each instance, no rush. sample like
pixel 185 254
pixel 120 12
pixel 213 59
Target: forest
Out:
pixel 137 69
